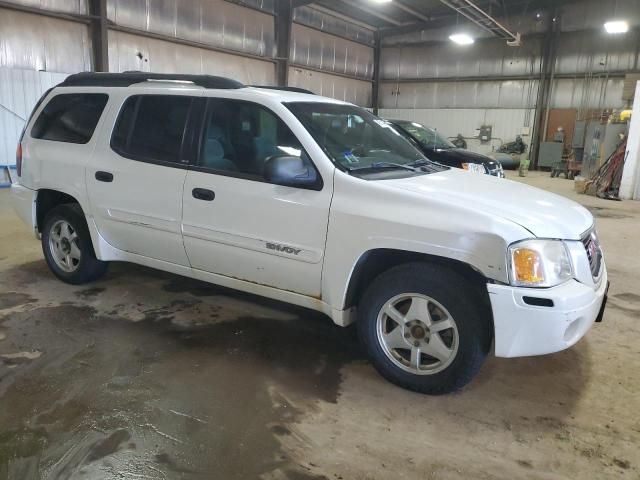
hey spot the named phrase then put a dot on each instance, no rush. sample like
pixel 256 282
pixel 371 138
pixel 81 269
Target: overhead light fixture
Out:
pixel 381 1
pixel 461 39
pixel 616 26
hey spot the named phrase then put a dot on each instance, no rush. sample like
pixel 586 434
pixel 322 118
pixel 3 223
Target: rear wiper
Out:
pixel 380 165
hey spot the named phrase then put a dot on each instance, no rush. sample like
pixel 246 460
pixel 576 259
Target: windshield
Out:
pixel 354 138
pixel 428 137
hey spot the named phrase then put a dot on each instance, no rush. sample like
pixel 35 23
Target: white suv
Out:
pixel 314 202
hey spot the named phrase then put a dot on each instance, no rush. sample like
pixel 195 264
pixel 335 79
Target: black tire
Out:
pixel 88 268
pixel 455 294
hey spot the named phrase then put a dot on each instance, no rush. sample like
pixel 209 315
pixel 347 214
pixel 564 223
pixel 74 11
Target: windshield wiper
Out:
pixel 381 165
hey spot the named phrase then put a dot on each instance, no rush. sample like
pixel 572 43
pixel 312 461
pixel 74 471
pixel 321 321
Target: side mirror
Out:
pixel 292 171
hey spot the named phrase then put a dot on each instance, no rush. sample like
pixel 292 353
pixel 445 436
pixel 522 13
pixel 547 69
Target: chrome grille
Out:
pixel 594 252
pixel 495 170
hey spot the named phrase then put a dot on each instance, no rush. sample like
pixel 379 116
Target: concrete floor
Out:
pixel 149 375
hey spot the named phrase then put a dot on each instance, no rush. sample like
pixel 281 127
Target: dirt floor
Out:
pixel 146 375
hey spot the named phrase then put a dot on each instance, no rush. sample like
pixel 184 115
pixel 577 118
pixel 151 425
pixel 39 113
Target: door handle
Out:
pixel 104 176
pixel 203 194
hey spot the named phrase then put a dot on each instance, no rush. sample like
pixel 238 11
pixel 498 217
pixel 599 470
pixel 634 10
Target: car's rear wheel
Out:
pixel 67 247
pixel 424 328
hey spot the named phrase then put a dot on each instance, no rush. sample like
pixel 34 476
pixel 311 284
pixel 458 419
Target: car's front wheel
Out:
pixel 423 328
pixel 67 247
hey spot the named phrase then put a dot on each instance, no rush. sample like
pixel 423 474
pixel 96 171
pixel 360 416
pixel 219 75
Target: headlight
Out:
pixel 474 167
pixel 539 263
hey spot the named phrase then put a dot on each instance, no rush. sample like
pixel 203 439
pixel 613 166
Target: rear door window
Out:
pixel 239 137
pixel 70 118
pixel 152 127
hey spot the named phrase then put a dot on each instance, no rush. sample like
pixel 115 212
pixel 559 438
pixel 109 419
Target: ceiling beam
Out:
pixel 342 16
pixel 373 12
pixel 433 22
pixel 444 20
pixel 411 11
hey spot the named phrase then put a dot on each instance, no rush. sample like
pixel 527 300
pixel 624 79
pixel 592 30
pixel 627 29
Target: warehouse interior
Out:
pixel 146 374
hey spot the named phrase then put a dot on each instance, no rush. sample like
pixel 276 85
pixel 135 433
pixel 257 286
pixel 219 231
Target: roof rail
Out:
pixel 286 89
pixel 99 79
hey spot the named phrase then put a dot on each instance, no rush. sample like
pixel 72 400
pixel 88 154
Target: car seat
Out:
pixel 214 153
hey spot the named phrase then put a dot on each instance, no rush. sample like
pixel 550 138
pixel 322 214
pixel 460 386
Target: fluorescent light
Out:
pixel 380 1
pixel 616 26
pixel 461 39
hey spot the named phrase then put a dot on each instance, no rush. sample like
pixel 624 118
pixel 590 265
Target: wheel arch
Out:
pixel 47 199
pixel 377 261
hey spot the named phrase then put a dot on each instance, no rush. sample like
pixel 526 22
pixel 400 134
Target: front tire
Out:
pixel 424 328
pixel 67 247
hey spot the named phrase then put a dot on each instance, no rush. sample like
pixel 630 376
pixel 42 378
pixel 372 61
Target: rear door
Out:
pixel 238 225
pixel 136 177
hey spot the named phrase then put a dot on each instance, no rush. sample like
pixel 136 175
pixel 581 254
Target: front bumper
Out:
pixel 522 329
pixel 23 200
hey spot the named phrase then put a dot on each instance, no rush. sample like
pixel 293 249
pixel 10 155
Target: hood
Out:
pixel 544 214
pixel 462 155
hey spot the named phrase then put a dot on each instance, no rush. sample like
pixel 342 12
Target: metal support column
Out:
pixel 282 23
pixel 99 35
pixel 375 87
pixel 547 66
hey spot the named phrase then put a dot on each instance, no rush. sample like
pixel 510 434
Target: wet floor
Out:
pixel 185 391
pixel 147 375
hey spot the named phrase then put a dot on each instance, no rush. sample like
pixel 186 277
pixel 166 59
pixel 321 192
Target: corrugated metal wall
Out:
pixel 40 43
pixel 312 48
pixel 133 52
pixel 64 6
pixel 467 94
pixel 212 22
pixel 447 60
pixel 331 24
pixel 342 88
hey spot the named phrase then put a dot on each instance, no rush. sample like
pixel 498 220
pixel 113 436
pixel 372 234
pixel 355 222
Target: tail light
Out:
pixel 19 159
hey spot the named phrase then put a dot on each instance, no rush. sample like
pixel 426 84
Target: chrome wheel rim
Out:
pixel 64 246
pixel 417 333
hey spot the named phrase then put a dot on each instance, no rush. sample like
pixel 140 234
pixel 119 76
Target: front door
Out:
pixel 238 225
pixel 136 177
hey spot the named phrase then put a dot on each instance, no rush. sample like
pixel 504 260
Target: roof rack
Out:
pixel 95 79
pixel 286 89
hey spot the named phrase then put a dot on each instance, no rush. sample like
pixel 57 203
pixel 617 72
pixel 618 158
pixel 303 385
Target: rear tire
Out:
pixel 424 328
pixel 67 247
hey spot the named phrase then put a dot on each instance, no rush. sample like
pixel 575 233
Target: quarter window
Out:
pixel 152 127
pixel 240 136
pixel 70 118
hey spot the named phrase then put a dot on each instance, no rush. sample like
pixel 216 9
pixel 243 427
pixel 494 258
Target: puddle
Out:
pixel 14 299
pixel 153 398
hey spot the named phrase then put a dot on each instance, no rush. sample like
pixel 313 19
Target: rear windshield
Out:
pixel 70 118
pixel 428 137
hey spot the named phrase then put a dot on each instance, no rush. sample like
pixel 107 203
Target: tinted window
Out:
pixel 70 118
pixel 240 136
pixel 151 127
pixel 122 129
